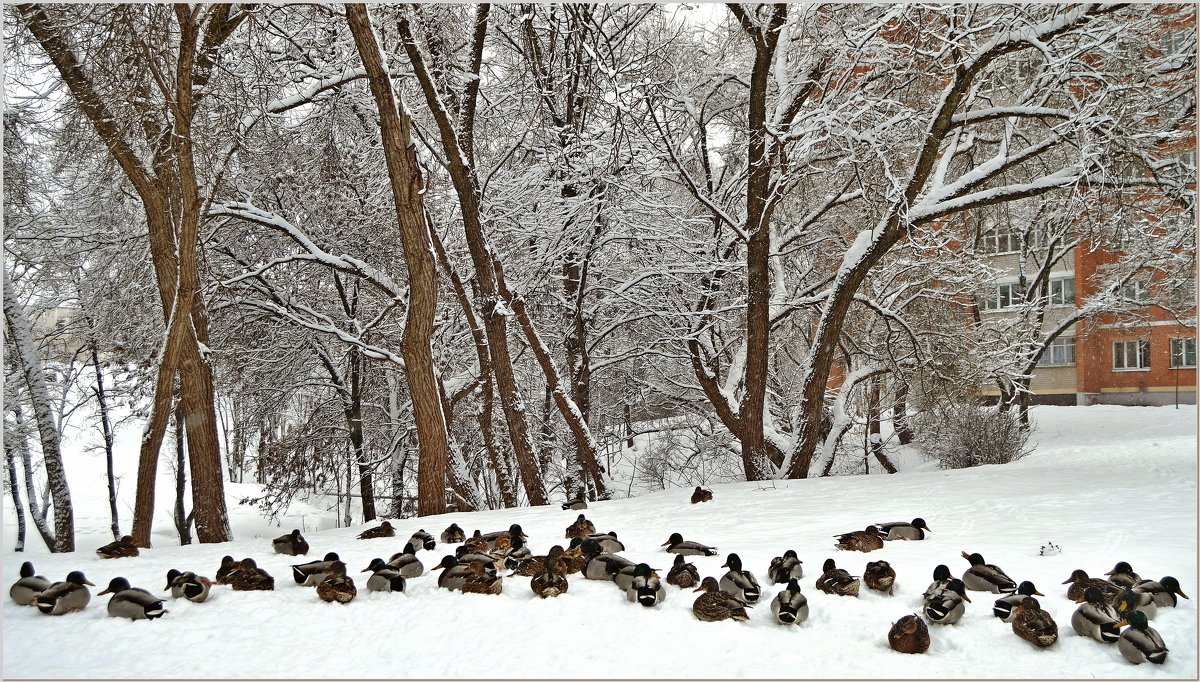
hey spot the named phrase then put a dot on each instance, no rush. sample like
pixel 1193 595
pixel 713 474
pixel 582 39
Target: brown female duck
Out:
pixel 248 577
pixel 867 540
pixel 121 548
pixel 909 635
pixel 383 530
pixel 581 528
pixel 715 605
pixel 879 576
pixel 836 580
pixel 337 586
pixel 1033 624
pixel 683 573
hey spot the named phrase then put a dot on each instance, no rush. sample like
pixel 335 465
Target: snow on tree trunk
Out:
pixel 15 490
pixel 20 331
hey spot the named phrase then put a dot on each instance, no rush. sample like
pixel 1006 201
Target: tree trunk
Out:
pixel 106 427
pixel 179 516
pixel 20 331
pixel 36 512
pixel 366 484
pixel 15 490
pixel 874 415
pixel 407 185
pixel 900 413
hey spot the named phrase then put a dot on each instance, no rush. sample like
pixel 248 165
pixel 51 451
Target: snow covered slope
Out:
pixel 1106 484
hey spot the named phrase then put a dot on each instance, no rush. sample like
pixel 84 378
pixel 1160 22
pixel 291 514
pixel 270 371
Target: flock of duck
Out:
pixel 1105 605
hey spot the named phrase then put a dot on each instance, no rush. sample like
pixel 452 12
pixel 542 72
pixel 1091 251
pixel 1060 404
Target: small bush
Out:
pixel 965 435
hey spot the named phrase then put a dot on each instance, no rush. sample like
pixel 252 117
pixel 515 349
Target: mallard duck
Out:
pixel 384 578
pixel 1095 618
pixel 118 549
pixel 608 541
pixel 903 530
pixel 909 635
pixel 186 584
pixel 784 568
pixel 625 575
pixel 683 573
pixel 533 565
pixel 985 577
pixel 28 587
pixel 676 545
pixel 502 546
pixel 131 602
pixel 66 596
pixel 790 607
pixel 716 605
pixel 480 581
pixel 738 582
pixel 867 540
pixel 701 495
pixel 604 566
pixel 574 557
pixel 879 576
pixel 946 606
pixel 581 528
pixel 1122 574
pixel 513 530
pixel 836 580
pixel 453 535
pixel 423 540
pixel 1005 607
pixel 580 502
pixel 1080 581
pixel 293 544
pixel 228 566
pixel 407 562
pixel 453 575
pixel 1163 591
pixel 476 543
pixel 517 554
pixel 1140 642
pixel 248 577
pixel 1130 600
pixel 337 586
pixel 313 572
pixel 941 578
pixel 383 530
pixel 1034 625
pixel 646 588
pixel 550 580
pixel 491 562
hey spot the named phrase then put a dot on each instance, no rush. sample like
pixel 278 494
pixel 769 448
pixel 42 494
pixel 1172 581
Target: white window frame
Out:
pixel 995 297
pixel 1179 353
pixel 990 241
pixel 1062 347
pixel 1059 297
pixel 1141 355
pixel 1136 290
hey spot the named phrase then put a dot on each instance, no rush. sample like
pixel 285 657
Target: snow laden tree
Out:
pixel 140 75
pixel 866 123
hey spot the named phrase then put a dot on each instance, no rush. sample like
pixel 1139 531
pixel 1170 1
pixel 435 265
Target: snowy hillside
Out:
pixel 1105 484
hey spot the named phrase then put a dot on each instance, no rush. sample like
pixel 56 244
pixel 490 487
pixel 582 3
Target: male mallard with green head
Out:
pixel 946 606
pixel 131 602
pixel 677 545
pixel 292 544
pixel 66 596
pixel 1005 607
pixel 739 582
pixel 1095 618
pixel 28 587
pixel 904 530
pixel 188 585
pixel 312 573
pixel 1140 642
pixel 985 577
pixel 790 606
pixel 1163 591
pixel 1122 574
pixel 784 568
pixel 407 563
pixel 384 578
pixel 645 588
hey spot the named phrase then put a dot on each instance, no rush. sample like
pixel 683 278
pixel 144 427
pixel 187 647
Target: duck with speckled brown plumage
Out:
pixel 1080 581
pixel 909 635
pixel 1033 624
pixel 683 573
pixel 118 549
pixel 453 535
pixel 867 540
pixel 715 605
pixel 337 586
pixel 581 528
pixel 480 581
pixel 880 576
pixel 248 577
pixel 838 581
pixel 551 579
pixel 227 567
pixel 383 530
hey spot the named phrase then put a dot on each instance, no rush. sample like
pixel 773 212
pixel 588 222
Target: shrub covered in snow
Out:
pixel 961 435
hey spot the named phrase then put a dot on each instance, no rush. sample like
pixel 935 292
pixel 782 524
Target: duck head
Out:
pixel 976 559
pixel 1172 585
pixel 1121 567
pixel 447 561
pixel 829 565
pixel 920 523
pixel 709 584
pixel 942 572
pixel 515 530
pixel 77 578
pixel 115 585
pixel 675 539
pixel 377 564
pixel 791 554
pixel 1026 588
pixel 956 586
pixel 171 576
pixel 793 585
pixel 733 562
pixel 1076 575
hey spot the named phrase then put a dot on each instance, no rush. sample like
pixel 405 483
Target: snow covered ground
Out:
pixel 1106 484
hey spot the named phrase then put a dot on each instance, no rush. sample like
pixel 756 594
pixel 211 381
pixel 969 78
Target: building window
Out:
pixel 1003 296
pixel 1062 291
pixel 1131 355
pixel 1061 353
pixel 1137 291
pixel 1182 296
pixel 1183 353
pixel 1000 240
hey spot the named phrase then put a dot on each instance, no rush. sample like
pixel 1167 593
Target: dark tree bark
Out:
pixel 406 185
pixel 900 413
pixel 106 427
pixel 15 490
pixel 179 516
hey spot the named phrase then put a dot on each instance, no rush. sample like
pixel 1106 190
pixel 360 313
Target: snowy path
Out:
pixel 1106 484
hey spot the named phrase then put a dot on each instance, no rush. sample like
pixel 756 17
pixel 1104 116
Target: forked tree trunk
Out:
pixel 406 184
